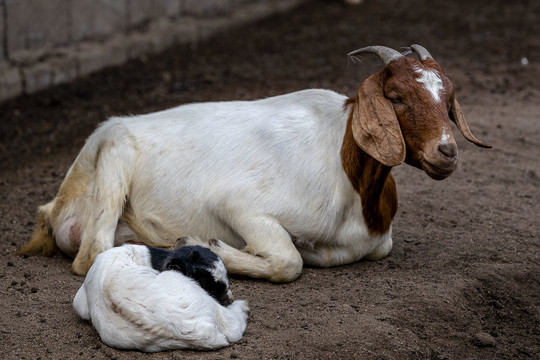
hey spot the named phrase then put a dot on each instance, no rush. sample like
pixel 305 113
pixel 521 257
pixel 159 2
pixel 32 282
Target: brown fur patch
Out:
pixel 373 181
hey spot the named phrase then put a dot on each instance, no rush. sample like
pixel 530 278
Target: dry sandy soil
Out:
pixel 463 279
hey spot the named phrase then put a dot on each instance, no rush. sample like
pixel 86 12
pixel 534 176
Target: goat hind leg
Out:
pixel 107 195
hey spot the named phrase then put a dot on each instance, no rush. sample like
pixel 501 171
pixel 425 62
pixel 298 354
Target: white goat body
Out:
pixel 257 173
pixel 133 306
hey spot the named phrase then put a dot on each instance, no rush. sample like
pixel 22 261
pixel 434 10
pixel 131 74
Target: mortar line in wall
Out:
pixel 69 10
pixel 3 10
pixel 127 16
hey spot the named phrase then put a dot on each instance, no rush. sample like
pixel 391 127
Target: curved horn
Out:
pixel 385 53
pixel 421 51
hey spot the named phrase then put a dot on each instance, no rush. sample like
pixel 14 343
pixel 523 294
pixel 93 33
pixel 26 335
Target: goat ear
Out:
pixel 375 126
pixel 174 264
pixel 456 114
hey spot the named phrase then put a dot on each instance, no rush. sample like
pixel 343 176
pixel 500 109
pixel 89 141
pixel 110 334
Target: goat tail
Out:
pixel 42 242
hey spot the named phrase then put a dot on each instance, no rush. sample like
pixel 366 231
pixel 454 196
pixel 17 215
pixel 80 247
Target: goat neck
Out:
pixel 371 179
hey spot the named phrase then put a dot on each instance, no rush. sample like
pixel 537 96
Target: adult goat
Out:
pixel 299 178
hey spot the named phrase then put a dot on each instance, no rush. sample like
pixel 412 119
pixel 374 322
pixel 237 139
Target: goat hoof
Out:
pixel 180 242
pixel 81 267
pixel 214 243
pixel 188 241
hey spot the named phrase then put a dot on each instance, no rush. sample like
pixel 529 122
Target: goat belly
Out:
pixel 199 169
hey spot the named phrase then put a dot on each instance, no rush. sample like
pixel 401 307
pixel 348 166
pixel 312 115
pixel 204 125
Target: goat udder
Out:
pixel 68 237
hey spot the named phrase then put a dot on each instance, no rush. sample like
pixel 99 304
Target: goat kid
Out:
pixel 298 178
pixel 151 299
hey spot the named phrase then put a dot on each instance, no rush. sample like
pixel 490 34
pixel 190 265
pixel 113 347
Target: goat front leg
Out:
pixel 269 252
pixel 335 255
pixel 382 250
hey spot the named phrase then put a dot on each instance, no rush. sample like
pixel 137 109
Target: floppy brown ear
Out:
pixel 456 115
pixel 375 126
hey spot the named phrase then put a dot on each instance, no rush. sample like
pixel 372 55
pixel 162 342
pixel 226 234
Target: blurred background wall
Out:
pixel 49 42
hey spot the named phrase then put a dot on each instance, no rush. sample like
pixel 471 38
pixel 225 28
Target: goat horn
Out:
pixel 385 53
pixel 421 51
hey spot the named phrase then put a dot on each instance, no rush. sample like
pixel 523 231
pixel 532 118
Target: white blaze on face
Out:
pixel 431 80
pixel 445 137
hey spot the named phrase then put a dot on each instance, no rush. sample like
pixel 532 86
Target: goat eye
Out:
pixel 396 100
pixel 394 97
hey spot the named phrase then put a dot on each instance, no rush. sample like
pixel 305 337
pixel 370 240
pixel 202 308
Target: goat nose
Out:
pixel 448 150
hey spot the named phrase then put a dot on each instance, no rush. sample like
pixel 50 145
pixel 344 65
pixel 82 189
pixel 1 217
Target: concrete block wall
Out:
pixel 45 43
pixel 96 19
pixel 32 24
pixel 2 37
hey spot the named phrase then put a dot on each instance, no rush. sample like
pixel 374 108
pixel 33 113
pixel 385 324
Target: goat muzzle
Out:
pixel 440 159
pixel 448 150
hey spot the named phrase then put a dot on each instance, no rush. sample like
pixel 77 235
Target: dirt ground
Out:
pixel 463 279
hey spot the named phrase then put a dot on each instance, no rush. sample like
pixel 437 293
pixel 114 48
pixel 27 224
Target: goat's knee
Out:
pixel 382 250
pixel 285 267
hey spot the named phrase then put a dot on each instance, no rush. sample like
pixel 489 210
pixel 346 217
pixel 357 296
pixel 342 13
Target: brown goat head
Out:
pixel 403 113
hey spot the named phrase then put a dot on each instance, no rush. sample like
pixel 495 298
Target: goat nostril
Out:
pixel 448 150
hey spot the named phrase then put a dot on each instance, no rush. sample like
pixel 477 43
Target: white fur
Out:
pixel 133 306
pixel 258 173
pixel 431 81
pixel 445 137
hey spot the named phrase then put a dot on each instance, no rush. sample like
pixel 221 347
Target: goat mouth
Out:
pixel 438 171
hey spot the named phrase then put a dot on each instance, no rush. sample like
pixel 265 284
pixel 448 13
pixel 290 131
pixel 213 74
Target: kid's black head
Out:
pixel 198 263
